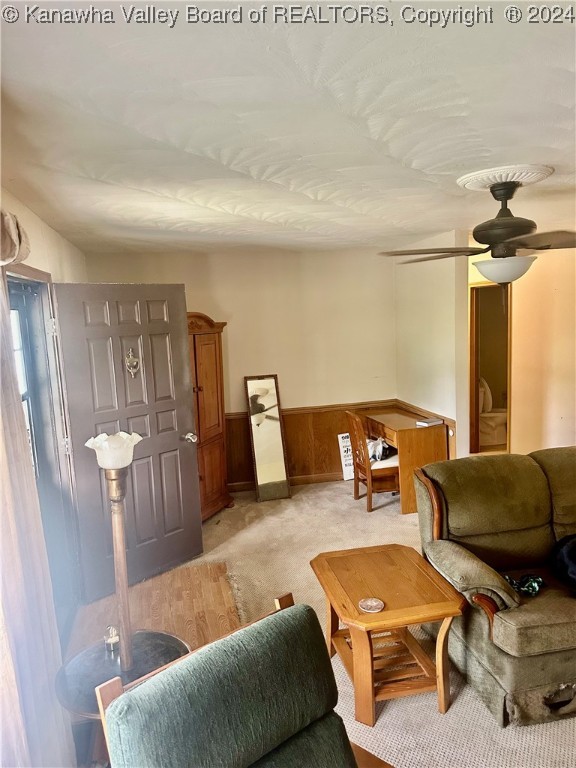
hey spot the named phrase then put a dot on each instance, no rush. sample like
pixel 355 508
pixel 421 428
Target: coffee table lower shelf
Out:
pixel 401 667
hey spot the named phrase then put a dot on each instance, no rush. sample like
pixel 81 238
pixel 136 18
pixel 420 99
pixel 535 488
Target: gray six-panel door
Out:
pixel 103 329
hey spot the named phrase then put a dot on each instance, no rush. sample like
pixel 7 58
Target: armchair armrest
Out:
pixel 469 574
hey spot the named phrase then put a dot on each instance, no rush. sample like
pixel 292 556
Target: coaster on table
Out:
pixel 371 605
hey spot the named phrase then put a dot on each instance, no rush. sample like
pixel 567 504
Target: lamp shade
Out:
pixel 114 451
pixel 504 270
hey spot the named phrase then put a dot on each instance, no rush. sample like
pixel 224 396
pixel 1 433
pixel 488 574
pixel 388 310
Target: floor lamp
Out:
pixel 114 454
pixel 140 652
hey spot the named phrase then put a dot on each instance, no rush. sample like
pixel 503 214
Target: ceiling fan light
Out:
pixel 504 270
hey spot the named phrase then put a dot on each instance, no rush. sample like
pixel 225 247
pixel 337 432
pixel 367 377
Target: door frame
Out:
pixel 43 280
pixel 474 367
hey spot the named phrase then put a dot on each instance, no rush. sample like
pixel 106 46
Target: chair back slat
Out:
pixel 357 429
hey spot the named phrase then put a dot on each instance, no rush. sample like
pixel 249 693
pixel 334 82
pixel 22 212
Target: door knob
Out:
pixel 190 437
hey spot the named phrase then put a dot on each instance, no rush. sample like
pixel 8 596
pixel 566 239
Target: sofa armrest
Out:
pixel 468 574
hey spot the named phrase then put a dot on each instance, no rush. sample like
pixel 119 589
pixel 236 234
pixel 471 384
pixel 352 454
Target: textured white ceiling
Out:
pixel 302 136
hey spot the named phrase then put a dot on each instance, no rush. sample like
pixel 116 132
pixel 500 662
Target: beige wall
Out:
pixel 49 251
pixel 543 353
pixel 323 321
pixel 432 336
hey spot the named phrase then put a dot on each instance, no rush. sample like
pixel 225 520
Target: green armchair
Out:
pixel 263 696
pixel 484 517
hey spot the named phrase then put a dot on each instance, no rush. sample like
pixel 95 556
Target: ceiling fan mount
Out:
pixel 505 225
pixel 504 190
pixel 505 235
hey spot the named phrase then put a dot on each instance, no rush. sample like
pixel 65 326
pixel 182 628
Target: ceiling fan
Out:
pixel 509 239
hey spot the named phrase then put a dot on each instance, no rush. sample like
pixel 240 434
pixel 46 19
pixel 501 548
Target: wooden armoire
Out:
pixel 205 343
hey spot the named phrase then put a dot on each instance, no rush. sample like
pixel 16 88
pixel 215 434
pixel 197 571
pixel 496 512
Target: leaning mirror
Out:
pixel 267 437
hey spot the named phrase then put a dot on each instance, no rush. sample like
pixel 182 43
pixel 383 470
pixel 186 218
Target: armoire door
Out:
pixel 102 328
pixel 212 469
pixel 209 384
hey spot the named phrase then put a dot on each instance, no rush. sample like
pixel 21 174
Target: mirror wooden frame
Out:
pixel 263 403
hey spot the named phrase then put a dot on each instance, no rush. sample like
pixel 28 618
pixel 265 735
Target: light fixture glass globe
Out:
pixel 504 270
pixel 114 451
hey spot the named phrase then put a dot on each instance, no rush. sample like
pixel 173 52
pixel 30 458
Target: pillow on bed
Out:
pixel 486 406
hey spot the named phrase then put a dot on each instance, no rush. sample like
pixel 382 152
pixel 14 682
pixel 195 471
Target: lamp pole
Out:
pixel 114 454
pixel 116 483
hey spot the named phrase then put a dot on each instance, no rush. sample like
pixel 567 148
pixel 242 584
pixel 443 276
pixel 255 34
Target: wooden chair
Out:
pixel 377 477
pixel 240 697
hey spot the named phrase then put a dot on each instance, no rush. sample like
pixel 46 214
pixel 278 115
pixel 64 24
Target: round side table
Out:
pixel 78 677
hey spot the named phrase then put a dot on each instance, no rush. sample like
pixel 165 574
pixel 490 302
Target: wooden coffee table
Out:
pixel 382 658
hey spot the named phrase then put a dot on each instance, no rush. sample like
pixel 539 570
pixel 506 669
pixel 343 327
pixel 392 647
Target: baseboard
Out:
pixel 326 477
pixel 239 487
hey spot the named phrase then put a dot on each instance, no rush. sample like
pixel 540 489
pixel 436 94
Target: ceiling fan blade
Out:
pixel 544 241
pixel 446 251
pixel 447 255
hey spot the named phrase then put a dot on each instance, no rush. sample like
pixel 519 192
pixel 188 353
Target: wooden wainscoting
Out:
pixel 239 464
pixel 311 433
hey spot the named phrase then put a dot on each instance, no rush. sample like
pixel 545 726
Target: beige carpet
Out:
pixel 268 547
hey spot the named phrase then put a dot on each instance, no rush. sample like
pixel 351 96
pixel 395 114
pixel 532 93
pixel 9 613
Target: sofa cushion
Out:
pixel 323 744
pixel 515 689
pixel 559 466
pixel 541 624
pixel 497 507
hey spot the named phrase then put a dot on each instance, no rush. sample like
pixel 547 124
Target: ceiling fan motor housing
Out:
pixel 495 231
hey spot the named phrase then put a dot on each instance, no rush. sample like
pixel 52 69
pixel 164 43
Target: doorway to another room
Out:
pixel 489 369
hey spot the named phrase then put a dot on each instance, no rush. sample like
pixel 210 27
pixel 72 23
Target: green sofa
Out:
pixel 262 697
pixel 484 517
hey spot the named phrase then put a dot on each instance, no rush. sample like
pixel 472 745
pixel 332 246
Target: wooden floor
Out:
pixel 193 602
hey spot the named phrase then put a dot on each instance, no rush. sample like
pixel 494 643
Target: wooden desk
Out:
pixel 416 446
